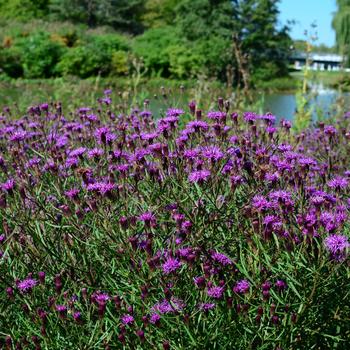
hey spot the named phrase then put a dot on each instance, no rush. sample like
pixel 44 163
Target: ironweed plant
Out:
pixel 198 230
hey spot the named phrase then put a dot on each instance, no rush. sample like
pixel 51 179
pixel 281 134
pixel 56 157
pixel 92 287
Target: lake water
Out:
pixel 283 105
pixel 325 102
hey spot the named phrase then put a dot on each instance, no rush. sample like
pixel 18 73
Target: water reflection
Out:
pixel 324 102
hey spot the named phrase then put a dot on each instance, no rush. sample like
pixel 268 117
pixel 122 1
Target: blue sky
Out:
pixel 305 12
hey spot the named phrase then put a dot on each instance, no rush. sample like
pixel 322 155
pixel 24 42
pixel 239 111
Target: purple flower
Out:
pixel 149 136
pixel 197 125
pixel 61 141
pixel 218 116
pixel 92 117
pixel 9 185
pixel 281 285
pixel 171 265
pixel 206 306
pixel 336 244
pixel 215 292
pixel 102 187
pixel 191 154
pixel 154 319
pixel 317 200
pixel 127 319
pixel 167 307
pixel 72 193
pixel 260 203
pixel 250 117
pixel 221 258
pixel 281 197
pixel 83 110
pixel 27 285
pixel 242 287
pixel 271 130
pixel 269 118
pixel 77 316
pixel 212 152
pixel 338 183
pixel 199 281
pixel 104 135
pixel 286 124
pixel 148 218
pixel 44 106
pixel 199 176
pixel 101 298
pixel 145 114
pixel 18 136
pixel 77 152
pixel 62 309
pixel 174 112
pixel 330 130
pixel 71 162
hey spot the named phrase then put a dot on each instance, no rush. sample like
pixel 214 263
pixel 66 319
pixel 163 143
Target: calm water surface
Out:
pixel 324 103
pixel 282 105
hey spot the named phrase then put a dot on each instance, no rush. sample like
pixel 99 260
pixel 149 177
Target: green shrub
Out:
pixel 23 10
pixel 184 63
pixel 153 47
pixel 216 53
pixel 120 63
pixel 10 62
pixel 266 71
pixel 93 56
pixel 39 55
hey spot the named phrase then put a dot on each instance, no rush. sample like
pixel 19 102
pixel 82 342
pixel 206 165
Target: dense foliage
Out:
pixel 193 231
pixel 177 39
pixel 341 25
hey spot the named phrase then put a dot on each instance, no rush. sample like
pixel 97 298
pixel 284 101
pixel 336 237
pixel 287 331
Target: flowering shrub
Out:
pixel 123 231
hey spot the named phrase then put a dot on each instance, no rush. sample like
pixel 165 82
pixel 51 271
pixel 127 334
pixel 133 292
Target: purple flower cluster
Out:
pixel 121 225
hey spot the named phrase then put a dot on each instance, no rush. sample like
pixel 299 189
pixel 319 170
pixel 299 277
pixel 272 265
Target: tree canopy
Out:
pixel 341 25
pixel 175 38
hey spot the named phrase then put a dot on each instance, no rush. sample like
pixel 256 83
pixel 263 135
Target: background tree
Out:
pixel 23 9
pixel 159 13
pixel 341 25
pixel 124 15
pixel 206 26
pixel 265 45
